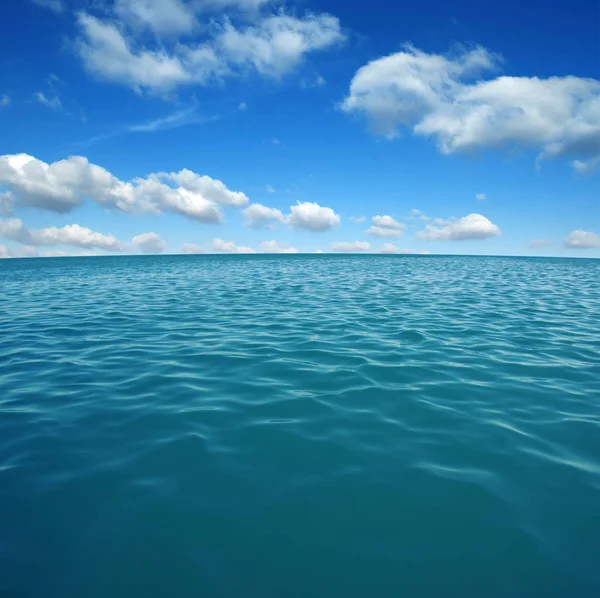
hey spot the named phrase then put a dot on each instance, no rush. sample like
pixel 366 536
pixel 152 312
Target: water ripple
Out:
pixel 299 425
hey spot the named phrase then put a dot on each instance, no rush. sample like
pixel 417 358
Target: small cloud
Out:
pixel 480 196
pixel 259 216
pixel 391 248
pixel 275 141
pixel 387 222
pixel 242 106
pixel 149 243
pixel 351 247
pixel 191 248
pixel 415 214
pixel 472 226
pixel 311 216
pixel 56 6
pixel 276 247
pixel 271 189
pixel 230 247
pixel 380 231
pixel 536 243
pixel 4 101
pixel 582 239
pixel 357 219
pixel 586 166
pixel 318 82
pixel 53 103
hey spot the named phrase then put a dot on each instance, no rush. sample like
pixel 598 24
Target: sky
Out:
pixel 242 126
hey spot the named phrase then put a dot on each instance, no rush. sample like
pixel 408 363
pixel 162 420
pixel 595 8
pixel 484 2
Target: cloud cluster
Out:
pixel 158 45
pixel 386 227
pixel 443 97
pixel 473 226
pixel 149 243
pixel 276 247
pixel 191 249
pixel 66 184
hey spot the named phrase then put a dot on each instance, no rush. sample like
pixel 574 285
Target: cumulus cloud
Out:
pixel 351 247
pixel 480 196
pixel 259 216
pixel 313 217
pixel 357 219
pixel 386 222
pixel 271 45
pixel 66 184
pixel 473 226
pixel 71 234
pixel 149 243
pixel 582 239
pixel 391 248
pixel 378 231
pixel 5 252
pixel 191 248
pixel 443 97
pixel 276 247
pixel 230 247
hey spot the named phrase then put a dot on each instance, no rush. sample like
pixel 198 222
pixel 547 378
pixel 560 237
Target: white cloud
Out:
pixel 5 252
pixel 391 248
pixel 242 106
pixel 436 96
pixel 357 219
pixel 473 226
pixel 71 234
pixel 480 196
pixel 4 101
pixel 586 166
pixel 582 239
pixel 537 243
pixel 259 216
pixel 66 184
pixel 271 189
pixel 311 216
pixel 415 214
pixel 386 222
pixel 53 103
pixel 191 248
pixel 351 247
pixel 56 6
pixel 230 247
pixel 271 45
pixel 149 243
pixel 378 231
pixel 276 247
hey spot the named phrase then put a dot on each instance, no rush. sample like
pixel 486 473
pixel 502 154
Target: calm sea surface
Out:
pixel 299 426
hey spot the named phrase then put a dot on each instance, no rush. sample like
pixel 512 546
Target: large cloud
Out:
pixel 473 226
pixel 351 246
pixel 71 234
pixel 149 243
pixel 439 96
pixel 117 48
pixel 582 239
pixel 312 216
pixel 66 184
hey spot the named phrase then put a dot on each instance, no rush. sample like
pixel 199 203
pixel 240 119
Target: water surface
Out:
pixel 299 426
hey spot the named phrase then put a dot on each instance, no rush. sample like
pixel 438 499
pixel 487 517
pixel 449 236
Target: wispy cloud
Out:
pixel 53 5
pixel 4 101
pixel 188 116
pixel 53 103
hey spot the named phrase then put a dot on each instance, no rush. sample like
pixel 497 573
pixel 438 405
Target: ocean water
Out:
pixel 299 426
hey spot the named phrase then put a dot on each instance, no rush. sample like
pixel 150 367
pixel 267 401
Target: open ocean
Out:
pixel 310 426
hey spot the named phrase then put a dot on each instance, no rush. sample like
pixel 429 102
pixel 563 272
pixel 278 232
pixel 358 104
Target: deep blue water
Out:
pixel 299 426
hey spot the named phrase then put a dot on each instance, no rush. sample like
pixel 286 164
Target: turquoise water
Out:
pixel 306 426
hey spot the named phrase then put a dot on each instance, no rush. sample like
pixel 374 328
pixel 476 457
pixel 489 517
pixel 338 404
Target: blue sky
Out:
pixel 135 126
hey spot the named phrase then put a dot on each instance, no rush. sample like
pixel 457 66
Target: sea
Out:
pixel 310 426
